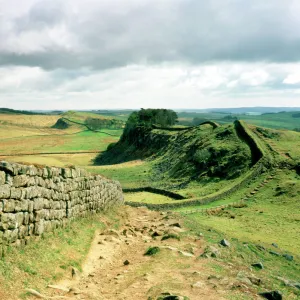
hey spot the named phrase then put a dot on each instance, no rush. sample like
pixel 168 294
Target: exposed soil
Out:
pixel 176 269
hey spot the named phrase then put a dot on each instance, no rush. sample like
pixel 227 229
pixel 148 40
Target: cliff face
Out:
pixel 137 143
pixel 37 200
pixel 185 155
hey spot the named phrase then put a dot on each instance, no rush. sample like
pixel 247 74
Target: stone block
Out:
pixel 8 205
pixel 20 180
pixel 39 227
pixel 2 177
pixel 38 204
pixel 15 193
pixel 5 191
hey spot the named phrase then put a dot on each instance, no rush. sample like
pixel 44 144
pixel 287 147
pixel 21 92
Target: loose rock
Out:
pixel 273 295
pixel 211 251
pixel 258 265
pixel 225 243
pixel 288 257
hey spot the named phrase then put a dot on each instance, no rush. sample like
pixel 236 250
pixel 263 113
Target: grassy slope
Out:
pixel 54 255
pixel 269 216
pixel 188 163
pixel 131 175
pixel 237 259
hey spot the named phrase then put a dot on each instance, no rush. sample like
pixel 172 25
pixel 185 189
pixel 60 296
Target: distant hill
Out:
pixel 13 112
pixel 242 110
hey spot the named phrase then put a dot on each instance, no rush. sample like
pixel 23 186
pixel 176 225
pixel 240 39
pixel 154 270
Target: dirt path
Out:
pixel 174 269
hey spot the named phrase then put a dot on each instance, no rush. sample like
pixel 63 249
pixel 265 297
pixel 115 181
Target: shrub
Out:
pixel 152 251
pixel 170 236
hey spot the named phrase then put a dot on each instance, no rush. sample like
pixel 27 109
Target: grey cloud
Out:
pixel 134 32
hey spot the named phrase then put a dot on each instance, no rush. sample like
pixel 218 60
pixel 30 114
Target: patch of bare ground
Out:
pixel 117 268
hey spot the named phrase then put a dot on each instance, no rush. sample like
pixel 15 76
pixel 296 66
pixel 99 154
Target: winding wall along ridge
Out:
pixel 262 160
pixel 213 124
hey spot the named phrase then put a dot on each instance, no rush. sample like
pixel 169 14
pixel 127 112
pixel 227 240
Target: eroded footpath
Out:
pixel 116 267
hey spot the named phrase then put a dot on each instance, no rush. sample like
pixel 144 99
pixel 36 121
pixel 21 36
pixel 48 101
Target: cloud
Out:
pixel 105 34
pixel 137 53
pixel 135 86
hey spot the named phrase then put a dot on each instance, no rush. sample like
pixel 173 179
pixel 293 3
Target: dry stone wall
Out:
pixel 34 200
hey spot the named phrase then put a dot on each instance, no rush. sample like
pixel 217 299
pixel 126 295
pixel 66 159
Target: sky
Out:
pixel 109 54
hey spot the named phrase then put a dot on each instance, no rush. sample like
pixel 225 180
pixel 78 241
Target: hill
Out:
pixel 13 111
pixel 185 155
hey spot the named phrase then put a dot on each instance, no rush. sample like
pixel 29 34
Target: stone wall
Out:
pixel 34 200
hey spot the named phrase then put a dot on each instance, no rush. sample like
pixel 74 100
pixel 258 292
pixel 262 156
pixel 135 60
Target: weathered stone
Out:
pixel 39 227
pixel 2 177
pixel 5 166
pixel 274 253
pixel 35 293
pixel 8 205
pixel 224 243
pixel 211 251
pixel 274 295
pixel 59 287
pixel 31 205
pixel 258 265
pixel 38 204
pixel 15 193
pixel 288 257
pixel 5 191
pixel 20 180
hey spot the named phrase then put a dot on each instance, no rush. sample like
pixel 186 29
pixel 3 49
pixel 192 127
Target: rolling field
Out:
pixel 81 141
pixel 21 135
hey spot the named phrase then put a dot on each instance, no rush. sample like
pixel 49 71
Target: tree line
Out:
pixel 149 117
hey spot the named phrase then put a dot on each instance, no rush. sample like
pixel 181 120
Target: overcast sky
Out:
pixel 96 54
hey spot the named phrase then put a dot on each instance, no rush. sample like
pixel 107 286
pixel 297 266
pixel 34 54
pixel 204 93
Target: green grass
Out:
pixel 269 217
pixel 243 252
pixel 146 197
pixel 54 255
pixel 83 141
pixel 130 175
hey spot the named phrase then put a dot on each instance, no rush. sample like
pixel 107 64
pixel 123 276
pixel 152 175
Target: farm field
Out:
pixel 33 134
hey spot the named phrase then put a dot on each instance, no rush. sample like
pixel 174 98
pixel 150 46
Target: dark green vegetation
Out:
pixel 13 112
pixel 179 158
pixel 152 251
pixel 148 117
pixel 97 124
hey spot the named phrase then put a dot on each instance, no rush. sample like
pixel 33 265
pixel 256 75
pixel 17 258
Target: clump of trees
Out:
pixel 97 124
pixel 149 117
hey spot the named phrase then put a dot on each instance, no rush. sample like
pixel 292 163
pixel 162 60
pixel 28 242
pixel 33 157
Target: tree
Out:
pixel 149 117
